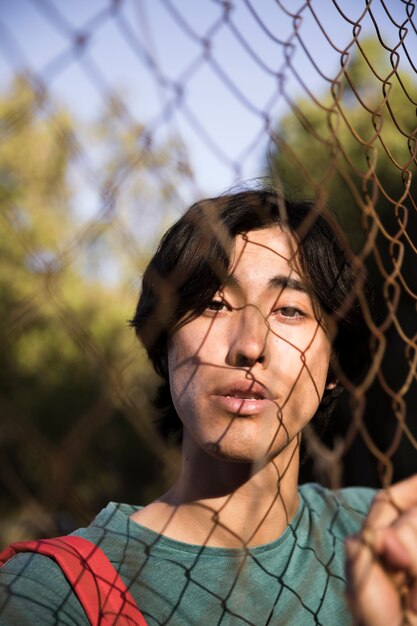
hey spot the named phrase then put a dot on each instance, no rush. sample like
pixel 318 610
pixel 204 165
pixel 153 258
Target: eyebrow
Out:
pixel 285 282
pixel 280 281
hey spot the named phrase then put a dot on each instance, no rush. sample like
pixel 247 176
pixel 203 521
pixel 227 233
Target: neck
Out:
pixel 231 504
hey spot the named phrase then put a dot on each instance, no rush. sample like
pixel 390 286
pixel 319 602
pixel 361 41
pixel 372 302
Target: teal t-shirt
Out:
pixel 297 579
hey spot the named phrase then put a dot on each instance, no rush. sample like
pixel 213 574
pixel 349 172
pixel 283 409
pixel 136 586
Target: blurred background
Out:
pixel 115 115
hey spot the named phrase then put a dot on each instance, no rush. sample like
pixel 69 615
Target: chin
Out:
pixel 238 452
pixel 252 440
pixel 226 453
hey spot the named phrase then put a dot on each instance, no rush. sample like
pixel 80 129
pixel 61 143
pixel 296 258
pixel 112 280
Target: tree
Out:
pixel 354 147
pixel 75 389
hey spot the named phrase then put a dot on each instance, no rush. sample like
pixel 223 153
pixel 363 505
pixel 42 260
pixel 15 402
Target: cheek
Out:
pixel 181 379
pixel 180 367
pixel 182 349
pixel 197 343
pixel 316 370
pixel 177 358
pixel 187 363
pixel 305 371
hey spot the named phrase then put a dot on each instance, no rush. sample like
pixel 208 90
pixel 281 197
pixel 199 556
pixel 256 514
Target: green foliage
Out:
pixel 354 145
pixel 75 388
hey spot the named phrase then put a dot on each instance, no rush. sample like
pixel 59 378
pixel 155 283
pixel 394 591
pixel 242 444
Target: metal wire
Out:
pixel 344 136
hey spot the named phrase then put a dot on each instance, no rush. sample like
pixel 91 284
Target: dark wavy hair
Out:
pixel 193 259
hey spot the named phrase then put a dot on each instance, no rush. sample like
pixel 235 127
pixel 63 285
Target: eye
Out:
pixel 290 312
pixel 216 306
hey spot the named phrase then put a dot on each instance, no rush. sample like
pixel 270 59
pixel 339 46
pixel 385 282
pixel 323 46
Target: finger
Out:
pixel 394 549
pixel 386 545
pixel 372 594
pixel 396 545
pixel 403 536
pixel 390 503
pixel 412 599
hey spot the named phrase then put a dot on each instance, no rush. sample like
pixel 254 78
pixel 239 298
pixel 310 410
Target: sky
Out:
pixel 218 79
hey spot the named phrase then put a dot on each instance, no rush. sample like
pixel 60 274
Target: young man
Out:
pixel 249 313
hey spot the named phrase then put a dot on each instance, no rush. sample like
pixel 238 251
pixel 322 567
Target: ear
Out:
pixel 331 385
pixel 331 380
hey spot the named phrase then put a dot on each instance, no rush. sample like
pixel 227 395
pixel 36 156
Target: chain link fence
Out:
pixel 113 118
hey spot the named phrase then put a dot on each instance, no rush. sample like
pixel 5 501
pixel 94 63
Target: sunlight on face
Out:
pixel 248 374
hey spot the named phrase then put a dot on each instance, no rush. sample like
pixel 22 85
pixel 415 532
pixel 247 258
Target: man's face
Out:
pixel 248 374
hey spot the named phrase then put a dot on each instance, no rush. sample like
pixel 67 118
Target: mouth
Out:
pixel 243 398
pixel 245 390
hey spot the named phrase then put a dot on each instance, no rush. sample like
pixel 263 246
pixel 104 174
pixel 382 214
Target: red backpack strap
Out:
pixel 99 588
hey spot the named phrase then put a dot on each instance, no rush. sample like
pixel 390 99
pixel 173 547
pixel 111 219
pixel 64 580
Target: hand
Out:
pixel 381 561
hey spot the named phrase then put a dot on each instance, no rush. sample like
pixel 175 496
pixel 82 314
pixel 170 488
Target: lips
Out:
pixel 243 398
pixel 243 395
pixel 245 389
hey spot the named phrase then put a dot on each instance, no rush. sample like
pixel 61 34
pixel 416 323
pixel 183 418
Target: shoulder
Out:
pixel 27 595
pixel 33 588
pixel 359 498
pixel 340 509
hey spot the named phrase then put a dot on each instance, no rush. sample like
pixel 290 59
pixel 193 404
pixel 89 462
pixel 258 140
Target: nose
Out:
pixel 249 339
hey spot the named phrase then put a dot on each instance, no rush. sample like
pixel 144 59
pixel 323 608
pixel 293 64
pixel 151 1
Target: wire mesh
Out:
pixel 115 117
